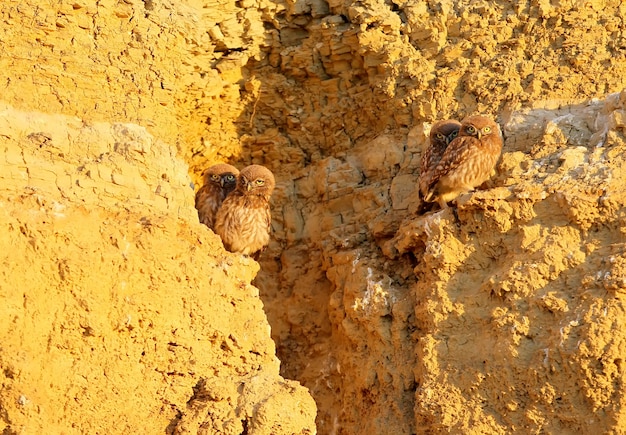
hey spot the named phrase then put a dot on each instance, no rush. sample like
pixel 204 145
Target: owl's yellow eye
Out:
pixel 230 177
pixel 487 130
pixel 471 129
pixel 259 182
pixel 440 136
pixel 215 177
pixel 453 134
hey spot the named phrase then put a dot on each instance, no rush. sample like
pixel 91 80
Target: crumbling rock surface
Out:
pixel 116 302
pixel 504 316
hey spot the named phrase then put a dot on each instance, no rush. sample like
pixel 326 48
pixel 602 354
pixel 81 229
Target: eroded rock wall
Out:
pixel 519 302
pixel 120 312
pixel 172 67
pixel 497 320
pixel 363 323
pixel 504 319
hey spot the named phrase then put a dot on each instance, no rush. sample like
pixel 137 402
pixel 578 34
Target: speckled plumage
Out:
pixel 441 134
pixel 219 181
pixel 243 221
pixel 467 162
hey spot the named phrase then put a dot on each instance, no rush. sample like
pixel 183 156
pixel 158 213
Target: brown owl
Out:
pixel 219 181
pixel 243 221
pixel 441 134
pixel 467 162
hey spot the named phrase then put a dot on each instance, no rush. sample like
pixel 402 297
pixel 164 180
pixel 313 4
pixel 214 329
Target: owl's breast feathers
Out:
pixel 260 204
pixel 244 222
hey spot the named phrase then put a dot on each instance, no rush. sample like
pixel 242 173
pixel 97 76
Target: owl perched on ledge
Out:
pixel 441 134
pixel 243 221
pixel 219 181
pixel 467 162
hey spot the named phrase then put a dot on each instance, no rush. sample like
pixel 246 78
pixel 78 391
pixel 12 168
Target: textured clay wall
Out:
pixel 498 322
pixel 120 312
pixel 505 319
pixel 172 67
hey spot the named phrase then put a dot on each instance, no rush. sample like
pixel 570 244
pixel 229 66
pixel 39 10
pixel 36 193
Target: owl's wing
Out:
pixel 268 218
pixel 208 200
pixel 459 151
pixel 424 176
pixel 431 156
pixel 201 196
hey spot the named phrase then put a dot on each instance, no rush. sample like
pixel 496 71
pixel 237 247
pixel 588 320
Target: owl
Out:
pixel 219 181
pixel 441 134
pixel 467 162
pixel 243 221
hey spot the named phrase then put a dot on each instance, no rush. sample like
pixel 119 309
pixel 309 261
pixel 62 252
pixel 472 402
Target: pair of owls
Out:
pixel 460 156
pixel 235 205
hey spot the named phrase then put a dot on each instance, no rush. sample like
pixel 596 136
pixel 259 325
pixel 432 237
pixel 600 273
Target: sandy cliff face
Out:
pixel 121 313
pixel 506 318
pixel 405 324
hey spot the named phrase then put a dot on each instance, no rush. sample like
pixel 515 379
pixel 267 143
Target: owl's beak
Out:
pixel 222 182
pixel 249 187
